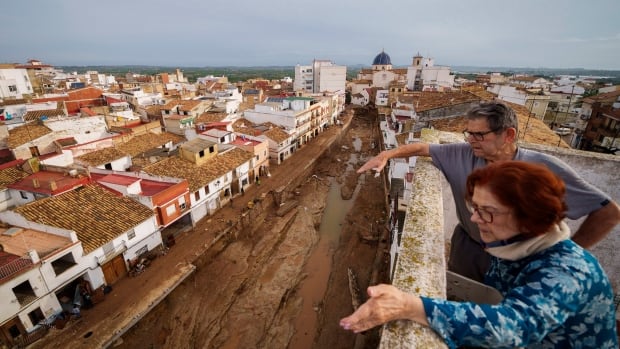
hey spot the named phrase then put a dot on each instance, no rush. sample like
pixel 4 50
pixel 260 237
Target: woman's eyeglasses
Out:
pixel 484 214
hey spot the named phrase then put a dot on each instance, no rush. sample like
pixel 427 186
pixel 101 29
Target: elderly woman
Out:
pixel 556 295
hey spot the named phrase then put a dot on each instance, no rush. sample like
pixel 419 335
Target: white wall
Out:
pixel 437 76
pixel 121 164
pixel 82 263
pixel 5 199
pixel 14 83
pixel 332 78
pixel 284 119
pixel 508 94
pixel 10 305
pixel 303 78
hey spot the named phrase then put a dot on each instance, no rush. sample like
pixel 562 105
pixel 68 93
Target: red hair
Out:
pixel 532 191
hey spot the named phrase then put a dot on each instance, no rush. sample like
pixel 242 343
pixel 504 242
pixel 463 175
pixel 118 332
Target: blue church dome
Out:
pixel 382 59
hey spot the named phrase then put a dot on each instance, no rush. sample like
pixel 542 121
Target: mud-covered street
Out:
pixel 271 270
pixel 252 291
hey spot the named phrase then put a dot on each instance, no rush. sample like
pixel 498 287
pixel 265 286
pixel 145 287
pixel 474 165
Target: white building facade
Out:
pixel 321 76
pixel 14 83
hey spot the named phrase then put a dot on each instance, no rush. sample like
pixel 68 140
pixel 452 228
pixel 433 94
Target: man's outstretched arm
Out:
pixel 404 151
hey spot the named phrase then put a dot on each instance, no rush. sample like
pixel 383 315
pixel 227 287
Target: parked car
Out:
pixel 563 131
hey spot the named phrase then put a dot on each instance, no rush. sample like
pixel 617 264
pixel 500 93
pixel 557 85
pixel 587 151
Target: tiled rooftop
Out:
pixel 184 105
pixel 38 114
pixel 101 156
pixel 11 174
pixel 277 134
pixel 603 97
pixel 25 133
pixel 49 183
pixel 94 213
pixel 148 141
pixel 246 127
pixel 428 100
pixel 199 176
pixel 210 117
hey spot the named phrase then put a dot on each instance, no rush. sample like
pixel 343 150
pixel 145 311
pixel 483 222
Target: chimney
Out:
pixel 53 185
pixel 35 183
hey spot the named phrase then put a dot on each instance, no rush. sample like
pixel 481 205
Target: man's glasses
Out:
pixel 484 214
pixel 479 136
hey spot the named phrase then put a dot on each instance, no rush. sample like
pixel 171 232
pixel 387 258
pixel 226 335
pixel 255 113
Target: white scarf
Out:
pixel 524 248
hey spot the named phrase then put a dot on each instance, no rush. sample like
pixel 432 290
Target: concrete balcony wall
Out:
pixel 421 265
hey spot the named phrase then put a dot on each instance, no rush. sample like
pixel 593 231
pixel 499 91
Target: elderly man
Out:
pixel 491 135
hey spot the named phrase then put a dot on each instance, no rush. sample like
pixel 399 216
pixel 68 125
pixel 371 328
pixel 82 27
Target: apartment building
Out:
pixel 321 76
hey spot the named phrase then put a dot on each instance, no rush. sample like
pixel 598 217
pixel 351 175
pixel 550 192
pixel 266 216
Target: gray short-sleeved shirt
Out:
pixel 456 161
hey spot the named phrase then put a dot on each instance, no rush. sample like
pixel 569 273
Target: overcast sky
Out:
pixel 200 33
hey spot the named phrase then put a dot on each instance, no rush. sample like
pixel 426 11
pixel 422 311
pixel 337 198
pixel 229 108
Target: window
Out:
pixel 12 88
pixel 197 195
pixel 63 263
pixel 201 153
pixel 131 234
pixel 36 316
pixel 14 331
pixel 142 250
pixel 24 293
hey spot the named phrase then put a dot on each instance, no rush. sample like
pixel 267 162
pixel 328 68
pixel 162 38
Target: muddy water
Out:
pixel 318 266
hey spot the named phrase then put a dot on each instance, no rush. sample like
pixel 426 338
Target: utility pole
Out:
pixel 570 100
pixel 529 115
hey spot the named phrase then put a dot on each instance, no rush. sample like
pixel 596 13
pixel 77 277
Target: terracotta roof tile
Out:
pixel 277 134
pixel 23 134
pixel 210 117
pixel 244 126
pixel 11 175
pixel 427 100
pixel 200 176
pixel 154 110
pixel 37 114
pixel 608 97
pixel 184 105
pixel 148 141
pixel 94 213
pixel 101 156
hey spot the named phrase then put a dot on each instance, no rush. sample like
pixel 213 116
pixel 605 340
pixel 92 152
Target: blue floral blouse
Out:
pixel 557 298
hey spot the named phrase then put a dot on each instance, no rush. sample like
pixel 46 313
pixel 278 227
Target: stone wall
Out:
pixel 421 264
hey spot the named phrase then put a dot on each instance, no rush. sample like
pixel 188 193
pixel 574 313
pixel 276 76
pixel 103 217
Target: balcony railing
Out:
pixel 14 267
